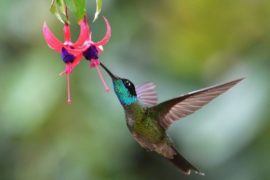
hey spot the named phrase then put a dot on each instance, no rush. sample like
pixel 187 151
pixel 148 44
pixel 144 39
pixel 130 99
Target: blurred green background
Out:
pixel 179 45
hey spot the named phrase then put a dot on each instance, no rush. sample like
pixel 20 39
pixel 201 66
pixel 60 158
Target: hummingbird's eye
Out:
pixel 129 85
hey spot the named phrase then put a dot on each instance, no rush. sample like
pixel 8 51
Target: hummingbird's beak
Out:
pixel 108 71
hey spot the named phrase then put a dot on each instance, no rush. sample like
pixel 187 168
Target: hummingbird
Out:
pixel 148 121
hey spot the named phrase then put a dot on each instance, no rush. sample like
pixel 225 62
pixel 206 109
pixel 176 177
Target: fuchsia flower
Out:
pixel 68 50
pixel 72 53
pixel 91 51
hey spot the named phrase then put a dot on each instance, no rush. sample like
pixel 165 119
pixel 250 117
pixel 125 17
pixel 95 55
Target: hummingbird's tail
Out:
pixel 185 166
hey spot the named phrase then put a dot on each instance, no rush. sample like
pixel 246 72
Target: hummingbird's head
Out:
pixel 123 88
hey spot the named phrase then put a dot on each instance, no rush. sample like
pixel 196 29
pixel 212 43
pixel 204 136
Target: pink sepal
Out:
pixel 51 40
pixel 107 35
pixel 84 33
pixel 67 35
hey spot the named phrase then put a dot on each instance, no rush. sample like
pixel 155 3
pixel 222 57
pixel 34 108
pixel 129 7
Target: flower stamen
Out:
pixel 68 89
pixel 107 89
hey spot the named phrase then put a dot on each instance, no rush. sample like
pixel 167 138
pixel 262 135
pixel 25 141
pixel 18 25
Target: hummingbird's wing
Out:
pixel 146 94
pixel 187 104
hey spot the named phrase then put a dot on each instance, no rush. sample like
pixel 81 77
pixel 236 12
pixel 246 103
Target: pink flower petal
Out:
pixel 94 63
pixel 51 40
pixel 100 49
pixel 77 61
pixel 84 33
pixel 69 68
pixel 107 35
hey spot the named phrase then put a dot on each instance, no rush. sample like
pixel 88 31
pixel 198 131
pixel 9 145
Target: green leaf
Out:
pixel 70 5
pixel 98 9
pixel 61 6
pixel 58 8
pixel 54 10
pixel 77 7
pixel 81 10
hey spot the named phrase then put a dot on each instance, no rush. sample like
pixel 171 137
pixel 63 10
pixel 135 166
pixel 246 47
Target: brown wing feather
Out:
pixel 182 106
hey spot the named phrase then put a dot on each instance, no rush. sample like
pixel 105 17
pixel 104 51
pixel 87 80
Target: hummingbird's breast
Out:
pixel 143 124
pixel 134 112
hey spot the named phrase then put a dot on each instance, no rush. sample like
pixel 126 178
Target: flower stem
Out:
pixel 102 79
pixel 68 89
pixel 66 12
